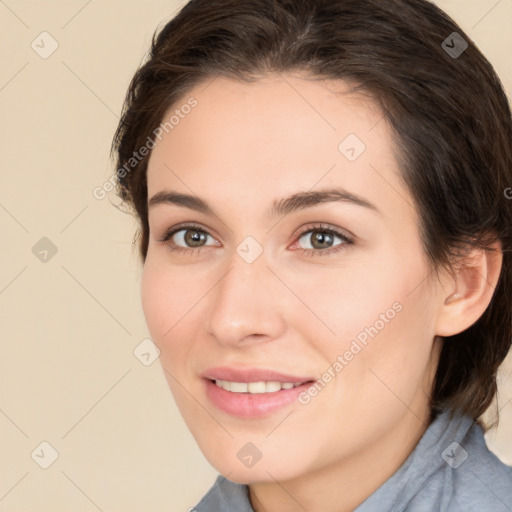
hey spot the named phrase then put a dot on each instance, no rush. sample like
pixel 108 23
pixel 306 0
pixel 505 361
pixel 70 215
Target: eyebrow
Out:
pixel 294 202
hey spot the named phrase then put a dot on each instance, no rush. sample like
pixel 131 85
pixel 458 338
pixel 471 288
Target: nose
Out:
pixel 246 306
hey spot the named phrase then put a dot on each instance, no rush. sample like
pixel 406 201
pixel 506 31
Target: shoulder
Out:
pixel 482 482
pixel 473 479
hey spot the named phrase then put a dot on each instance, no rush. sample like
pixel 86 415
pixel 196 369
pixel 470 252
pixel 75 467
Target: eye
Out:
pixel 319 241
pixel 188 238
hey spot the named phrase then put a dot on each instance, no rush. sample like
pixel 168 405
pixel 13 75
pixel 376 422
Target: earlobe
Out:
pixel 471 290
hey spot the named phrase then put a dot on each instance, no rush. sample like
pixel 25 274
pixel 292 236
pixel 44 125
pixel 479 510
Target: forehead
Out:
pixel 278 135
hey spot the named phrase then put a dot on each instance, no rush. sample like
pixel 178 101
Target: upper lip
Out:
pixel 251 375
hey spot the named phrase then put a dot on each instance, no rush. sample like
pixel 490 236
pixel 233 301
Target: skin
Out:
pixel 244 146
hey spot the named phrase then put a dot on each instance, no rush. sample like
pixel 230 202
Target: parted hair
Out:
pixel 447 109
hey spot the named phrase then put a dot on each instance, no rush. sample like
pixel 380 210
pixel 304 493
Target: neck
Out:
pixel 343 486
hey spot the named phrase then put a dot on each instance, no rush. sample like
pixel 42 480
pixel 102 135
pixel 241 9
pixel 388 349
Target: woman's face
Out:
pixel 275 274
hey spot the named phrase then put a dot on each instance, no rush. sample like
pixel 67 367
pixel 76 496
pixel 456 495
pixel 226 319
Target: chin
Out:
pixel 261 471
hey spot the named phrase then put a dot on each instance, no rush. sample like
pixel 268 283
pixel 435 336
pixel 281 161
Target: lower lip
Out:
pixel 252 405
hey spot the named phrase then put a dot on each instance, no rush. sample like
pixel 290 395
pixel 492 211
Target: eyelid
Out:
pixel 168 233
pixel 347 239
pixel 322 226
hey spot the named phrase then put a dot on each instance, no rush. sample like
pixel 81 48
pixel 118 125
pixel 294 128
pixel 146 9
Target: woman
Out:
pixel 325 234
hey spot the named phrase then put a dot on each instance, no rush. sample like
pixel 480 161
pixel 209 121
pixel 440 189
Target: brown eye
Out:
pixel 194 237
pixel 321 240
pixel 186 239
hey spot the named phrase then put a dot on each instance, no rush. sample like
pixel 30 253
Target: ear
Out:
pixel 469 291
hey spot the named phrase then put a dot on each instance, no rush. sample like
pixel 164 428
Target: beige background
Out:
pixel 68 373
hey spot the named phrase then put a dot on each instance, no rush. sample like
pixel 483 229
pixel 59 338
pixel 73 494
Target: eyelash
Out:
pixel 307 252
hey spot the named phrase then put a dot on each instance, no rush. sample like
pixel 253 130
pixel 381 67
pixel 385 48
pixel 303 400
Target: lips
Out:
pixel 252 375
pixel 251 406
pixel 248 405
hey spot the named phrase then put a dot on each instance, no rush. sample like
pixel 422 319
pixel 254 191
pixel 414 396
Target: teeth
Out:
pixel 255 387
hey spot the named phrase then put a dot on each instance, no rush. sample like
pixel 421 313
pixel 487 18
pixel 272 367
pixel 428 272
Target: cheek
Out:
pixel 168 305
pixel 383 332
pixel 344 306
pixel 168 298
pixel 389 370
pixel 156 303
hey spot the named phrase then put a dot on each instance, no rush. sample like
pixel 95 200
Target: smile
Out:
pixel 252 400
pixel 255 387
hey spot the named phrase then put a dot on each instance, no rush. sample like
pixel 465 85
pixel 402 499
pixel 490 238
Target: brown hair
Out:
pixel 449 114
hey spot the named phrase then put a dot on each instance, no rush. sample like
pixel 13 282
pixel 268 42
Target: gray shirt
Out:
pixel 450 470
